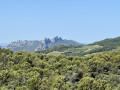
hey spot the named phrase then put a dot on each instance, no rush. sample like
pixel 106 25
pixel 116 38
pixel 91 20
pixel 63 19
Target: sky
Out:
pixel 84 21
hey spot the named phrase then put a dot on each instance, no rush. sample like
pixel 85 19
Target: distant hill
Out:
pixel 107 44
pixel 36 45
pixel 96 47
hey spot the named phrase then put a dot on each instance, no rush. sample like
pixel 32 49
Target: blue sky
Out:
pixel 84 21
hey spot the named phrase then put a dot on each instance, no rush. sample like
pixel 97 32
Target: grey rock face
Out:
pixel 46 41
pixel 55 39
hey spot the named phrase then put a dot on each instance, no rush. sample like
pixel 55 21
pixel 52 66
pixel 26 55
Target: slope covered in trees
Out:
pixel 60 48
pixel 108 44
pixel 80 50
pixel 32 71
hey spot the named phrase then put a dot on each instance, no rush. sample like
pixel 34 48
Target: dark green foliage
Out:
pixel 60 48
pixel 79 50
pixel 32 71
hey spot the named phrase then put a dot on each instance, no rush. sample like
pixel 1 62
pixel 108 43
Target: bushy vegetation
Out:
pixel 60 48
pixel 32 71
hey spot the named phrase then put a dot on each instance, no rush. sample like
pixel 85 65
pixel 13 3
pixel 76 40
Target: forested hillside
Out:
pixel 32 71
pixel 108 44
pixel 80 50
pixel 60 48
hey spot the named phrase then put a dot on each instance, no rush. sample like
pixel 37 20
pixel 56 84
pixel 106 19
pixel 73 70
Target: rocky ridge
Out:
pixel 35 45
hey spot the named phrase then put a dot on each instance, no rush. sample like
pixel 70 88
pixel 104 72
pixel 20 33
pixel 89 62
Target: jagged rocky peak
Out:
pixel 46 41
pixel 55 39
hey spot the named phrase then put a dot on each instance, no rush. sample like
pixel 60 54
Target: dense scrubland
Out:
pixel 32 71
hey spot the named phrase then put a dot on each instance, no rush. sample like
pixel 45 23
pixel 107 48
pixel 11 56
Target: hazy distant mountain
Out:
pixel 35 45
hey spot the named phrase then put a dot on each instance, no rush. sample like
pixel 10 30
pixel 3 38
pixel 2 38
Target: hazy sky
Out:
pixel 85 21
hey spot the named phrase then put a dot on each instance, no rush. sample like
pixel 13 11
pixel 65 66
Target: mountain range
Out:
pixel 35 45
pixel 47 46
